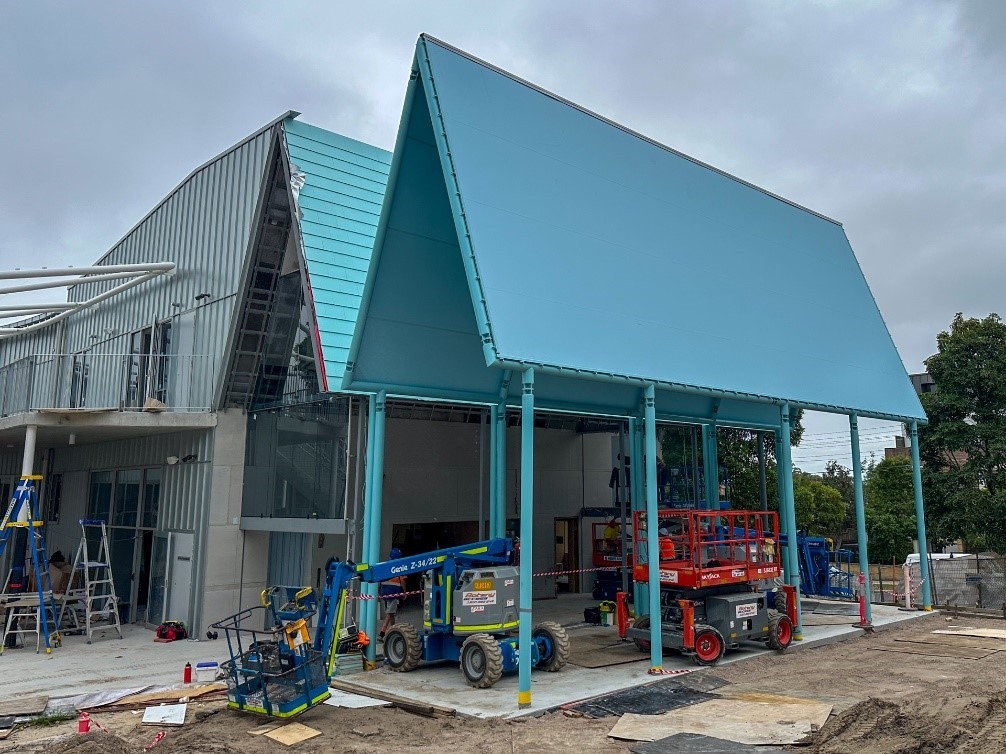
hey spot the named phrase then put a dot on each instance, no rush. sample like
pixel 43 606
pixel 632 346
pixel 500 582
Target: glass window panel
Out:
pixel 99 502
pixel 127 497
pixel 151 498
pixel 296 463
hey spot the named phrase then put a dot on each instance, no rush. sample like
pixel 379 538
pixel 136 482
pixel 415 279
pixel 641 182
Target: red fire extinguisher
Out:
pixel 187 673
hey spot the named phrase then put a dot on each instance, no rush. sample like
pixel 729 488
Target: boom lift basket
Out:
pixel 273 671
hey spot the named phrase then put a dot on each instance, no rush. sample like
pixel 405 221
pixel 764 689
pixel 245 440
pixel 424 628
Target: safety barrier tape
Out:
pixel 676 672
pixel 96 724
pixel 157 739
pixel 399 595
pixel 577 570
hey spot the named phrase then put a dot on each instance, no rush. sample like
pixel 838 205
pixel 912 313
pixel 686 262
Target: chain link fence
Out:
pixel 961 581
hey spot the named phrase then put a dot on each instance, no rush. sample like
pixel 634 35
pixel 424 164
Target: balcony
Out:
pixel 108 382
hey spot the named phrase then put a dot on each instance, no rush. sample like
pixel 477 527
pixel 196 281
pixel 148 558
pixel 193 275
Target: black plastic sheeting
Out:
pixel 694 743
pixel 652 698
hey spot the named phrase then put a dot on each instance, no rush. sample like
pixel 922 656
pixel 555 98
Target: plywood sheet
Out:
pixel 746 722
pixel 292 733
pixel 265 728
pixel 991 633
pixel 955 640
pixel 935 650
pixel 350 700
pixel 170 695
pixel 605 656
pixel 29 705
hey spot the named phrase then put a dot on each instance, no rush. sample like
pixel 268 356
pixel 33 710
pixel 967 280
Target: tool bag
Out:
pixel 172 630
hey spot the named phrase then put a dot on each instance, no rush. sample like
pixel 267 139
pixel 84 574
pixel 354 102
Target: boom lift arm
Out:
pixel 449 560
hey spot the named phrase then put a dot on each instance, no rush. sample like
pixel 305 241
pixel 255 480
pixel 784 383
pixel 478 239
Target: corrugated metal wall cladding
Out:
pixel 45 340
pixel 340 206
pixel 203 227
pixel 184 487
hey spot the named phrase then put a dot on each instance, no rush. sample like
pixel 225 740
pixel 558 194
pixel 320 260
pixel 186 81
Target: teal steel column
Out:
pixel 368 607
pixel 526 543
pixel 711 466
pixel 501 478
pixel 493 470
pixel 784 454
pixel 920 519
pixel 652 521
pixel 857 487
pixel 640 597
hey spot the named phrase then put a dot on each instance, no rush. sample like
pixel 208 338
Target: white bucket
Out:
pixel 206 672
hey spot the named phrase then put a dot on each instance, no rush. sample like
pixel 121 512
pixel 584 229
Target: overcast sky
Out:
pixel 888 116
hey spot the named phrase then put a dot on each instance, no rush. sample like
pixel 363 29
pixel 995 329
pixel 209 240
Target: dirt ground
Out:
pixel 884 703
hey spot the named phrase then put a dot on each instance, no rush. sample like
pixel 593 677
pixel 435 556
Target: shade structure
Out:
pixel 520 229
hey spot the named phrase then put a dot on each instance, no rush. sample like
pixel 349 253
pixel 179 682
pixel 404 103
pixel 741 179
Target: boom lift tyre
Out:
pixel 553 646
pixel 403 649
pixel 780 632
pixel 481 661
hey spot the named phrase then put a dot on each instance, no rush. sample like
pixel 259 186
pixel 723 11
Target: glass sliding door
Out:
pixel 158 581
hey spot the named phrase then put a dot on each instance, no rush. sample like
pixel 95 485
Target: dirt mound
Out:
pixel 954 725
pixel 94 742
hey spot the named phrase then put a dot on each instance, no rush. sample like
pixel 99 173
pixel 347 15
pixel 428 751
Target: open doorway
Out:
pixel 567 554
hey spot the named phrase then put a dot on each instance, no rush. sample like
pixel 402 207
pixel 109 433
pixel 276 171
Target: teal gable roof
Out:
pixel 522 231
pixel 340 204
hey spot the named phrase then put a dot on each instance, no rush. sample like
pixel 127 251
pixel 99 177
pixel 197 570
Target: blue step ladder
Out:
pixel 36 608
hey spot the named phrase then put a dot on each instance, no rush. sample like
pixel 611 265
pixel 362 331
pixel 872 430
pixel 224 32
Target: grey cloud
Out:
pixel 887 116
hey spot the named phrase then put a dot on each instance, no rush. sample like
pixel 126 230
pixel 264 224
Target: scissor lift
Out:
pixel 711 564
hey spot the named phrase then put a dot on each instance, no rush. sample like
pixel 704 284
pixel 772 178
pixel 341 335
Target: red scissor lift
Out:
pixel 711 564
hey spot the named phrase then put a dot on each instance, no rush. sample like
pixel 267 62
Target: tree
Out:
pixel 839 478
pixel 737 450
pixel 820 509
pixel 889 495
pixel 964 446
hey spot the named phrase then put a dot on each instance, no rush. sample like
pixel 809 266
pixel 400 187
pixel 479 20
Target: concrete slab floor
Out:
pixel 444 684
pixel 136 660
pixel 106 664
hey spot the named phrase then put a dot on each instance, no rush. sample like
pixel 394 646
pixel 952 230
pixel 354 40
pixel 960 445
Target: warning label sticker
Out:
pixel 671 577
pixel 750 610
pixel 479 598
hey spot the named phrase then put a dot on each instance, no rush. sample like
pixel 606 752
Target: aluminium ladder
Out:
pixel 92 586
pixel 23 513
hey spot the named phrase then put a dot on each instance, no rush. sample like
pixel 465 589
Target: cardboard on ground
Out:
pixel 292 733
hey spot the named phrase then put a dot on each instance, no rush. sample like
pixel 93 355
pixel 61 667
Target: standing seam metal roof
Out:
pixel 594 251
pixel 340 205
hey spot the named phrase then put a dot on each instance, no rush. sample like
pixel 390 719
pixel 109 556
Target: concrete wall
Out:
pixel 236 560
pixel 431 473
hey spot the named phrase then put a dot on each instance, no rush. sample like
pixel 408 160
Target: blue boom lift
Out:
pixel 470 596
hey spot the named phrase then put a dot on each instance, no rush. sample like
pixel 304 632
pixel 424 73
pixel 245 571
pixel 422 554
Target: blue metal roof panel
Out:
pixel 340 205
pixel 599 250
